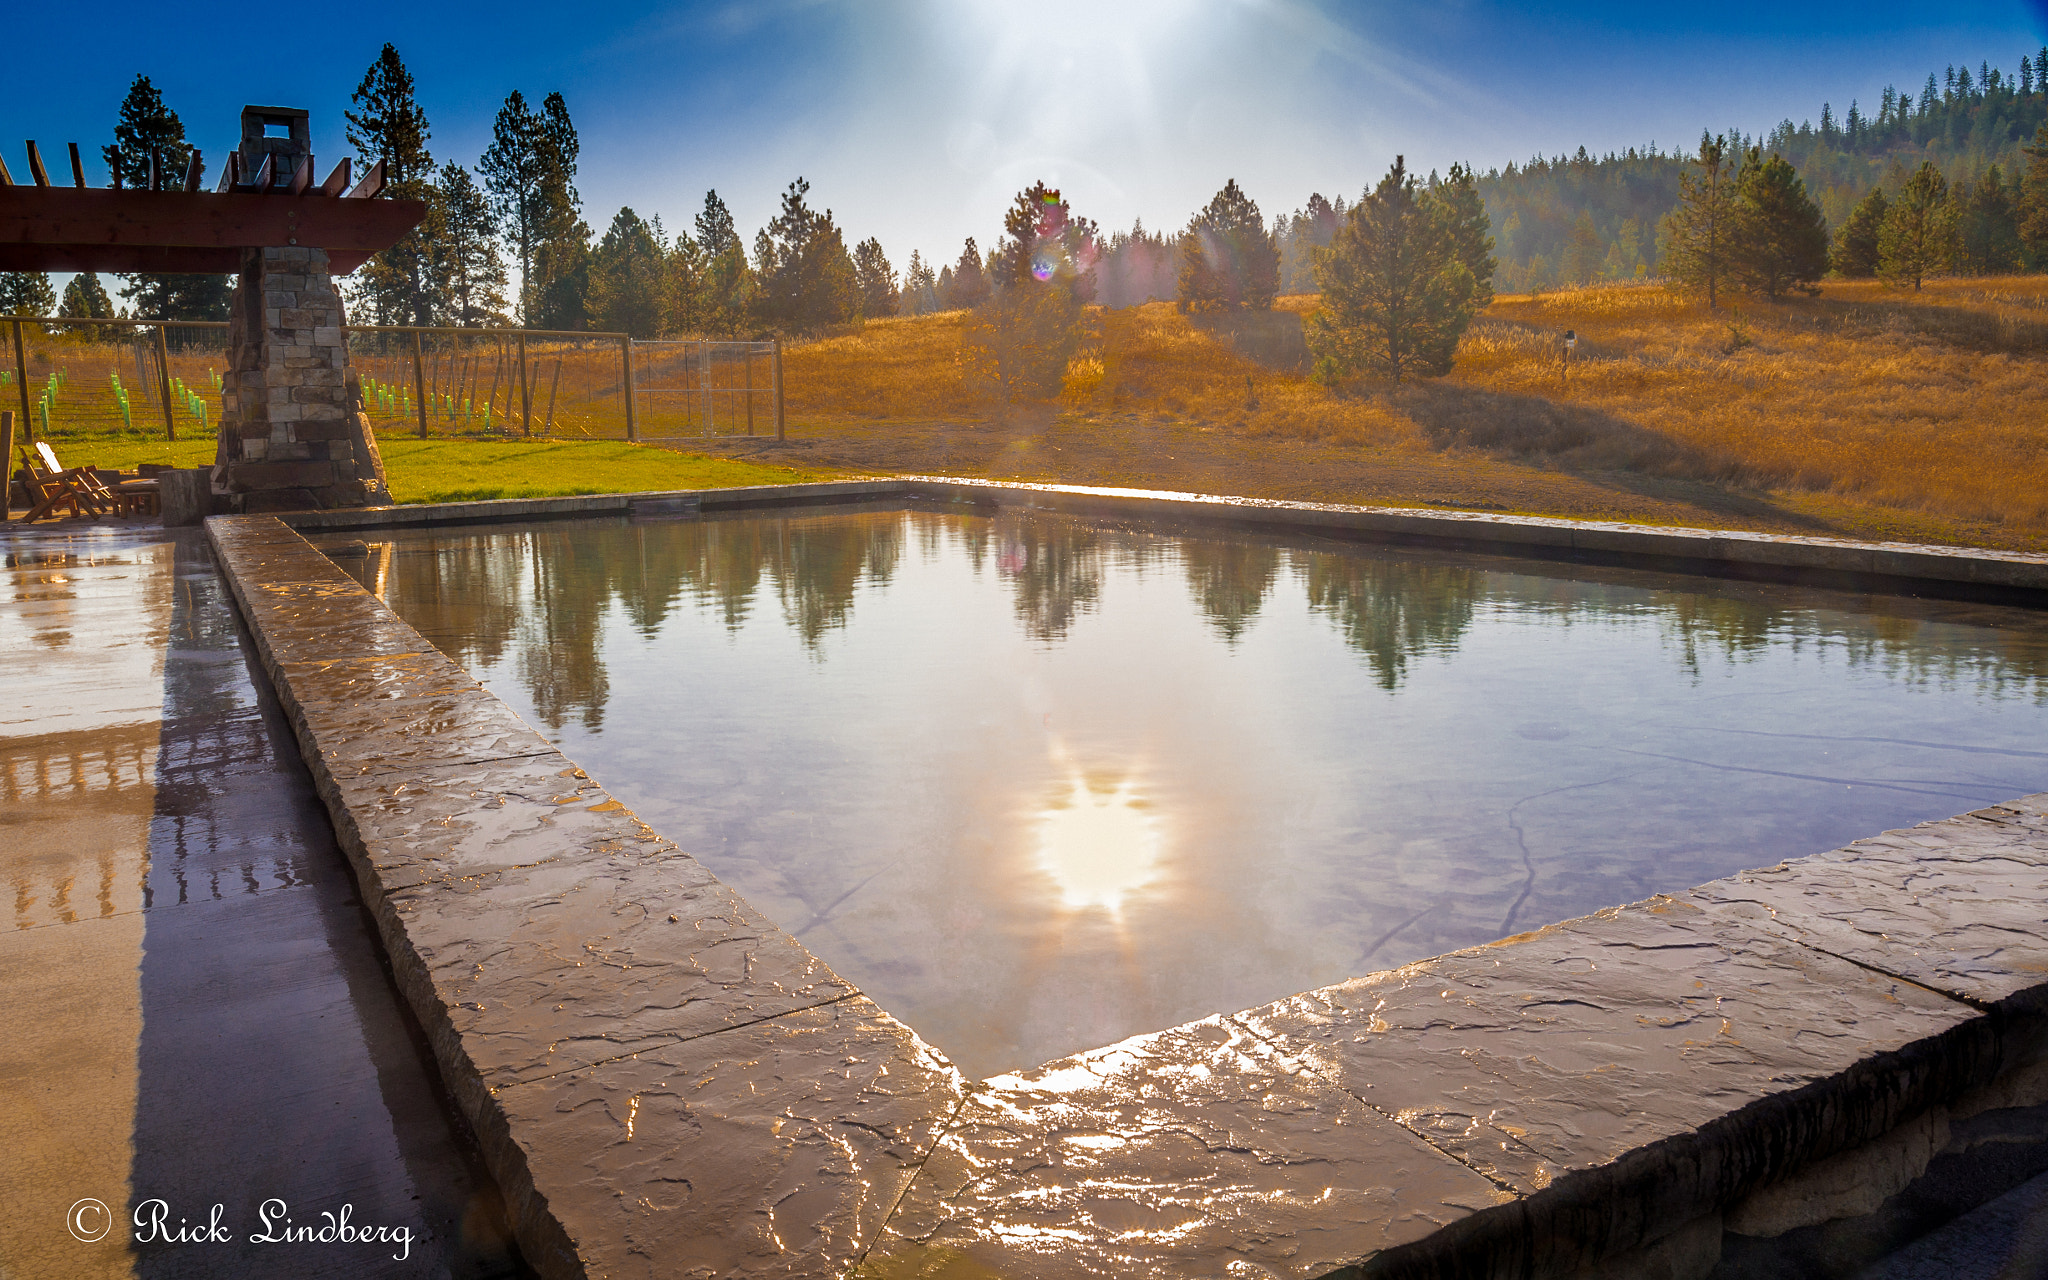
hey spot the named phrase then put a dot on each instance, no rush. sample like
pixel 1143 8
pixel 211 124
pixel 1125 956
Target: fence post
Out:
pixel 163 381
pixel 419 383
pixel 7 465
pixel 28 421
pixel 750 389
pixel 778 390
pixel 525 392
pixel 632 425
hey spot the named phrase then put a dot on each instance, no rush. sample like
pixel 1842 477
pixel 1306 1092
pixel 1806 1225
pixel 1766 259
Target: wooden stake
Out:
pixel 163 380
pixel 7 463
pixel 632 424
pixel 419 383
pixel 750 388
pixel 779 432
pixel 28 422
pixel 525 392
pixel 553 387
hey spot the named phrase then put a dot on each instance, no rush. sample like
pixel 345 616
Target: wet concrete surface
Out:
pixel 1545 1105
pixel 199 1013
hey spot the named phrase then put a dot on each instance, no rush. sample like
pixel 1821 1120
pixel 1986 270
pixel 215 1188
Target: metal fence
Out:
pixel 114 379
pixel 161 380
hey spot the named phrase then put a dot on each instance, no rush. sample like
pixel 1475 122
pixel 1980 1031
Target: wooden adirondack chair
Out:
pixel 123 499
pixel 48 492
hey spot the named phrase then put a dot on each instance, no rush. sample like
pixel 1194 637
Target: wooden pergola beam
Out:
pixel 50 228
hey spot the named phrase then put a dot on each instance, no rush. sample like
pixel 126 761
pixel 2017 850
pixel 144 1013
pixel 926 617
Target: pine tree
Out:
pixel 916 298
pixel 26 293
pixel 1696 232
pixel 1779 241
pixel 970 287
pixel 1043 240
pixel 1583 252
pixel 874 279
pixel 388 125
pixel 513 167
pixel 1918 236
pixel 147 123
pixel 2032 213
pixel 626 278
pixel 1229 261
pixel 1987 226
pixel 943 290
pixel 714 226
pixel 806 274
pixel 1855 252
pixel 468 275
pixel 1459 205
pixel 85 298
pixel 1396 299
pixel 562 259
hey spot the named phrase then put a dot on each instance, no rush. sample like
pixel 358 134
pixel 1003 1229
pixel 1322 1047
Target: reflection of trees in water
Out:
pixel 1055 572
pixel 818 564
pixel 1230 581
pixel 1390 610
pixel 543 594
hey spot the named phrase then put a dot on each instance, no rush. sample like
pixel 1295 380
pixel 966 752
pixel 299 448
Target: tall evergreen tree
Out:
pixel 917 296
pixel 146 123
pixel 626 277
pixel 2032 214
pixel 468 275
pixel 513 167
pixel 1918 236
pixel 26 293
pixel 388 125
pixel 806 274
pixel 874 278
pixel 1229 261
pixel 1463 213
pixel 1780 242
pixel 1987 226
pixel 84 298
pixel 970 287
pixel 1396 298
pixel 1583 253
pixel 714 226
pixel 1696 233
pixel 1855 251
pixel 1044 240
pixel 562 254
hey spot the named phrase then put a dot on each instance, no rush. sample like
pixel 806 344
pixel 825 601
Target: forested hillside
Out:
pixel 1572 218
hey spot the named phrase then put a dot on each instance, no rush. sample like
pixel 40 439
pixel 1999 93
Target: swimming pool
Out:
pixel 1038 782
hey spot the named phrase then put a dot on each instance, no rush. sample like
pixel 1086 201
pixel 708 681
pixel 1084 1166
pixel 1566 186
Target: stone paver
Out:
pixel 1191 1152
pixel 1955 905
pixel 775 1149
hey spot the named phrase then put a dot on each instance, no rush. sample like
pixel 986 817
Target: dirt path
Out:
pixel 1129 450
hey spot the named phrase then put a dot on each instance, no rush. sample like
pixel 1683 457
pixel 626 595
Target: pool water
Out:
pixel 1037 783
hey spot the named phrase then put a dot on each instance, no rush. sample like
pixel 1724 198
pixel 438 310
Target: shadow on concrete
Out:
pixel 276 1061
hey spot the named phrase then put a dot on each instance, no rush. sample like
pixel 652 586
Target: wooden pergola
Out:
pixel 172 226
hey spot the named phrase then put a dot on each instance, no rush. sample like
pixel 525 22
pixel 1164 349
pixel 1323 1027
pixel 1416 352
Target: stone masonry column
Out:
pixel 290 438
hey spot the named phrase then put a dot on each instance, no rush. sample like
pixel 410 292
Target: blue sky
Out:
pixel 915 119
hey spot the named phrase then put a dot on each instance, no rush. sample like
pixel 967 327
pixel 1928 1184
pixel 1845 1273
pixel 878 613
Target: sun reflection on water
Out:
pixel 1099 843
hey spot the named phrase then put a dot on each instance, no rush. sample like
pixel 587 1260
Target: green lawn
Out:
pixel 470 470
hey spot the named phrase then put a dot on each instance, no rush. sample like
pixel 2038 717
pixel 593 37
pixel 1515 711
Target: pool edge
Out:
pixel 1543 1224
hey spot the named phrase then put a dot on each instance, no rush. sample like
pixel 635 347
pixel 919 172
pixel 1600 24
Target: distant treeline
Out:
pixel 1573 218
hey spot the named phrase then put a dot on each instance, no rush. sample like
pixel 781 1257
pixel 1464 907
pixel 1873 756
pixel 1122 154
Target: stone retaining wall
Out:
pixel 666 1084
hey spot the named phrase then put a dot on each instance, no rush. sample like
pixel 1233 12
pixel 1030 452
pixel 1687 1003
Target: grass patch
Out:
pixel 476 470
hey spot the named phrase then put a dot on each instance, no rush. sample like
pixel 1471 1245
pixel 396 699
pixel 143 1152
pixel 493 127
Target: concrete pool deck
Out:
pixel 667 1084
pixel 195 1003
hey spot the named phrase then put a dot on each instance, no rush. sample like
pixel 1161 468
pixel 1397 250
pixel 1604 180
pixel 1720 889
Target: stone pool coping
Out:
pixel 1900 567
pixel 666 1083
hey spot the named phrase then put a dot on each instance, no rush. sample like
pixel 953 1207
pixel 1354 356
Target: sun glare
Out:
pixel 1098 846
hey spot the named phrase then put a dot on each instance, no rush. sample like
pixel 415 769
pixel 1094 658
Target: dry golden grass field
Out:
pixel 1865 412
